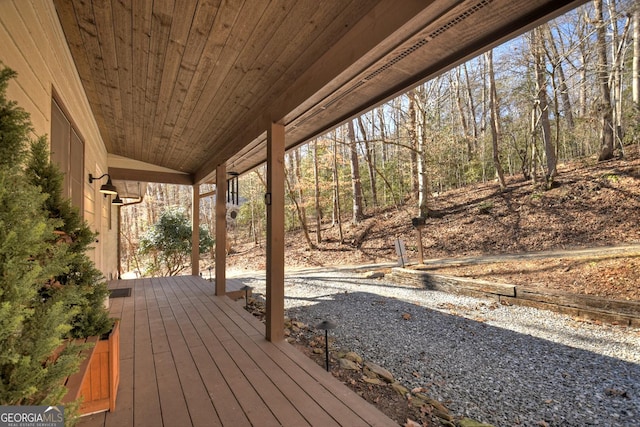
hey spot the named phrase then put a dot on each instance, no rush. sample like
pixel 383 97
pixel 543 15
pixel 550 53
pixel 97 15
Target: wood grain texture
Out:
pixel 188 85
pixel 214 366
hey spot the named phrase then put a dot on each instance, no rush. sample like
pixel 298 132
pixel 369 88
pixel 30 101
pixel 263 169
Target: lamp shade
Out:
pixel 117 201
pixel 326 325
pixel 108 188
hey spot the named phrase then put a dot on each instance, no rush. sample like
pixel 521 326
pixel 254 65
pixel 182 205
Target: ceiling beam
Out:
pixel 150 176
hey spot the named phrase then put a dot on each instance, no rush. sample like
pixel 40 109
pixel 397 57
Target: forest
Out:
pixel 564 91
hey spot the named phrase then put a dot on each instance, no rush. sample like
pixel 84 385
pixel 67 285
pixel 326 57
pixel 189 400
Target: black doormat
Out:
pixel 120 293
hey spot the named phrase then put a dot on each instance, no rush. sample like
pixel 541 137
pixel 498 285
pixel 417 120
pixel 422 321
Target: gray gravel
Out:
pixel 503 365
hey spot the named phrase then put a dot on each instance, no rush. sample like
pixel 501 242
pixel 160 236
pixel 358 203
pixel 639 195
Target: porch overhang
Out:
pixel 190 85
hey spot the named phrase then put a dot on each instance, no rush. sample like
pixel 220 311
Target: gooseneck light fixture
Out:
pixel 117 201
pixel 107 188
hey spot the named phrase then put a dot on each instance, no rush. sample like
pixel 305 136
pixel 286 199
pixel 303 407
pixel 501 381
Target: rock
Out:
pixel 373 275
pixel 416 402
pixel 318 350
pixel 380 371
pixel 400 389
pixel 436 405
pixel 375 381
pixel 354 357
pixel 299 325
pixel 442 415
pixel 369 373
pixel 348 365
pixel 468 422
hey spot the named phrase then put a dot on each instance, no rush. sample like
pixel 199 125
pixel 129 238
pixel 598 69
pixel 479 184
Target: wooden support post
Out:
pixel 221 230
pixel 274 200
pixel 420 248
pixel 419 223
pixel 195 232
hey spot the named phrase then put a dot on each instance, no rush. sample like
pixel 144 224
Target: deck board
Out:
pixel 190 358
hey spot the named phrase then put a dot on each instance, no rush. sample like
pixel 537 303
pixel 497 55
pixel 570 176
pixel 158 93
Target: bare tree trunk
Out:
pixel 461 113
pixel 356 184
pixel 383 134
pixel 385 155
pixel 563 89
pixel 543 105
pixel 472 110
pixel 534 155
pixel 336 188
pixel 618 49
pixel 584 59
pixel 316 195
pixel 635 74
pixel 370 158
pixel 606 109
pixel 298 186
pixel 299 210
pixel 413 141
pixel 494 109
pixel 483 119
pixel 423 178
pixel 297 196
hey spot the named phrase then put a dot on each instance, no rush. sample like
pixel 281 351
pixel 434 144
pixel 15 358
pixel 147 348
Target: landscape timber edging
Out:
pixel 626 313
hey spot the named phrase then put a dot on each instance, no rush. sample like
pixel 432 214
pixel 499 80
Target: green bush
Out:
pixel 49 290
pixel 166 246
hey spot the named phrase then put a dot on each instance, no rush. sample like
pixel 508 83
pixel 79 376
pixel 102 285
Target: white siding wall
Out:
pixel 32 44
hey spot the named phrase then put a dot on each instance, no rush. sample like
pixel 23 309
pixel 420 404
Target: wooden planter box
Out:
pixel 97 380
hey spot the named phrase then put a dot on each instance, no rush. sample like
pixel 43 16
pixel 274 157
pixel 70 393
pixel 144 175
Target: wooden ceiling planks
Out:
pixel 140 48
pixel 206 75
pixel 229 99
pixel 295 54
pixel 319 80
pixel 161 20
pixel 188 84
pixel 181 25
pixel 123 33
pixel 220 98
pixel 203 19
pixel 106 37
pixel 82 40
pixel 257 65
pixel 298 54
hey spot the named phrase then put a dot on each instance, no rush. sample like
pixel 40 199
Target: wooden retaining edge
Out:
pixel 618 312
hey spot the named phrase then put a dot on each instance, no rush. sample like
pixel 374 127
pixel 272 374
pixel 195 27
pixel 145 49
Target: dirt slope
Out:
pixel 591 205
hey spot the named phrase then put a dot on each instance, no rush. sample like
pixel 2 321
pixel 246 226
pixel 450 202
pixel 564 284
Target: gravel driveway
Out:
pixel 504 365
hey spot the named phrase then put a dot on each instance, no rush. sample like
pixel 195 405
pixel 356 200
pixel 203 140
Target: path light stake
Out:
pixel 210 274
pixel 246 289
pixel 326 325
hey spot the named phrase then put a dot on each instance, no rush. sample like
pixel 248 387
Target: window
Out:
pixel 67 151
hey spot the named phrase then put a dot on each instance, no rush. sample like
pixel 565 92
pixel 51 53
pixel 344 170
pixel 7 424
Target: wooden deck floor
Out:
pixel 189 358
